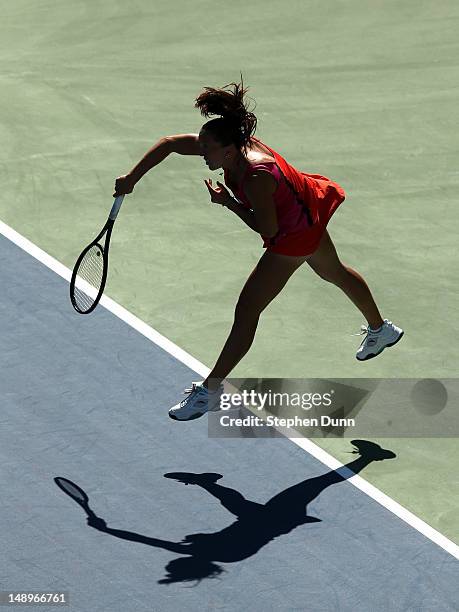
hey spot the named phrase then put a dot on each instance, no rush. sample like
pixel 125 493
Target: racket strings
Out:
pixel 90 271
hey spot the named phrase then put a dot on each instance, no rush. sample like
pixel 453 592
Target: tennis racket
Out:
pixel 91 268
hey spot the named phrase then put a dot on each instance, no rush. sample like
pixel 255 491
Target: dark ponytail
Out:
pixel 236 124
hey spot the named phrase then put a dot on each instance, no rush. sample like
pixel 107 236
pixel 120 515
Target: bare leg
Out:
pixel 265 282
pixel 326 263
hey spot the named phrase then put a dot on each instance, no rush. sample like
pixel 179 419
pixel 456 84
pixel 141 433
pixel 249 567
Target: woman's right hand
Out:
pixel 124 184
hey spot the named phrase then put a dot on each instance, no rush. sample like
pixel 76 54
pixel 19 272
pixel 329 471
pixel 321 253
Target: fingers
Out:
pixel 222 187
pixel 123 185
pixel 208 182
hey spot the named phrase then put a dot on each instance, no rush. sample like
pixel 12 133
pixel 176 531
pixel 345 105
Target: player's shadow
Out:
pixel 256 524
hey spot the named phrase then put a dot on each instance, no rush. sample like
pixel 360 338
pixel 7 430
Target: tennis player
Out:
pixel 288 208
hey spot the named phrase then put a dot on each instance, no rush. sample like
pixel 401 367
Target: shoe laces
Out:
pixel 365 329
pixel 196 388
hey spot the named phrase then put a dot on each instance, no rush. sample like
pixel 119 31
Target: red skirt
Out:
pixel 323 197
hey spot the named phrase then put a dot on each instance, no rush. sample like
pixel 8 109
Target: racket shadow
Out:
pixel 77 494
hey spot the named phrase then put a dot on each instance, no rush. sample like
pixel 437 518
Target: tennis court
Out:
pixel 364 95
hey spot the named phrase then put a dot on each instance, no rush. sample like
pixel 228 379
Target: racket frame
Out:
pixel 108 227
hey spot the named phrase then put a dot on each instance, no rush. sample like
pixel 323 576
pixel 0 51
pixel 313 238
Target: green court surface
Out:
pixel 363 92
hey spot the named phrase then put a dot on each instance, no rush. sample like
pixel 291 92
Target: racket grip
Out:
pixel 116 207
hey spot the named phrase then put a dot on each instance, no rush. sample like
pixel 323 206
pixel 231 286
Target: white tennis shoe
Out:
pixel 198 402
pixel 375 342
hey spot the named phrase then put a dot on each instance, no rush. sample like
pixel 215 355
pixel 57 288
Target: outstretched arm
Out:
pixel 101 525
pixel 125 184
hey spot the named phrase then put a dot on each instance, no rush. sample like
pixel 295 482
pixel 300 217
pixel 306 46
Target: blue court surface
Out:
pixel 86 398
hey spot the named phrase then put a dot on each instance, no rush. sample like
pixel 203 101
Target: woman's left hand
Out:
pixel 219 195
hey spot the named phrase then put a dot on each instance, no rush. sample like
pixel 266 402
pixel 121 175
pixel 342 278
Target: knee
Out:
pixel 246 310
pixel 334 276
pixel 327 276
pixel 328 279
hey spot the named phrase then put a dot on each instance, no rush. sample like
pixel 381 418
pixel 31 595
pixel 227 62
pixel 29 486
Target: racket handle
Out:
pixel 116 207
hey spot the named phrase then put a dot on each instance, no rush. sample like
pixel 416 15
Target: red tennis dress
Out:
pixel 304 205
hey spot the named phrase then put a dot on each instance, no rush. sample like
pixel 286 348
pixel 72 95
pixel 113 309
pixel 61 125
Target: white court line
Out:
pixel 195 365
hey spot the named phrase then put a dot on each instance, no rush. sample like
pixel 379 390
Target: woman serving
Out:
pixel 288 208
